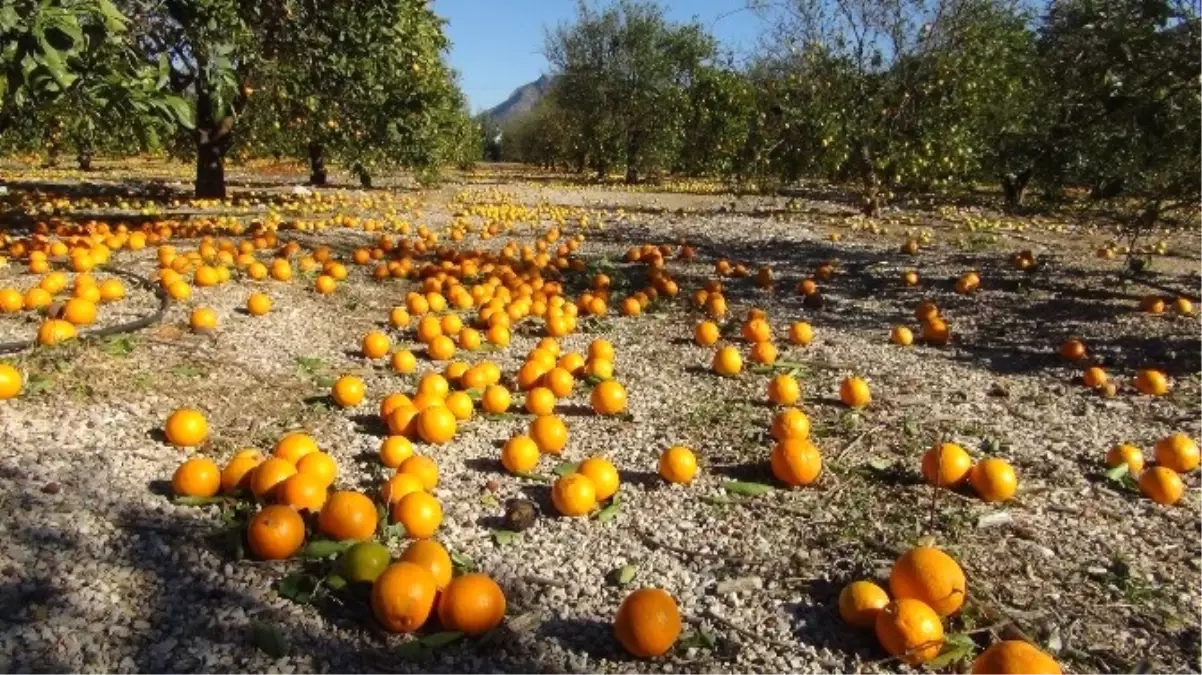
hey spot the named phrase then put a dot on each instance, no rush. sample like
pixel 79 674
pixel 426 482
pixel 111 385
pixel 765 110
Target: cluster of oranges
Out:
pixel 927 586
pixel 948 465
pixel 1147 381
pixel 1175 455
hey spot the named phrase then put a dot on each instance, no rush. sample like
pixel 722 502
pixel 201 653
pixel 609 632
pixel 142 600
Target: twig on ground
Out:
pixel 654 543
pixel 752 635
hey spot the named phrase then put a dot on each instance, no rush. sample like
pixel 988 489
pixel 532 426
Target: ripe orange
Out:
pixel 10 382
pixel 292 447
pixel 927 574
pixel 472 604
pixel 1177 452
pixel 603 474
pixel 325 284
pixel 854 392
pixel 424 468
pixel 402 597
pixel 764 353
pixel 608 398
pixel 1094 377
pixel 275 533
pixel 993 480
pixel 860 602
pixel 238 471
pixel 197 477
pixel 376 345
pixel 394 450
pixel 790 423
pixel 946 465
pixel 926 311
pixel 1015 656
pixel 399 485
pixel 403 421
pixel 727 362
pixel 348 391
pixel 268 475
pixel 600 369
pixel 433 384
pixel 968 283
pixel 441 348
pixel 901 335
pixel 419 512
pixel 436 424
pixel 601 349
pixel 1125 453
pixel 203 319
pixel 909 629
pixel 1072 350
pixel 460 405
pixel 258 304
pixel 1162 485
pixel 80 312
pixel 549 433
pixel 678 464
pixel 574 495
pixel 559 381
pixel 757 330
pixel 706 333
pixel 796 461
pixel 1151 382
pixel 403 362
pixel 540 401
pixel 572 362
pixel 55 331
pixel 433 557
pixel 186 428
pixel 647 623
pixel 1181 305
pixel 319 465
pixel 348 515
pixel 495 399
pixel 520 455
pixel 784 390
pixel 935 331
pixel 1152 304
pixel 302 492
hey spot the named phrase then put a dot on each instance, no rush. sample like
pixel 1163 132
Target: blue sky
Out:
pixel 497 44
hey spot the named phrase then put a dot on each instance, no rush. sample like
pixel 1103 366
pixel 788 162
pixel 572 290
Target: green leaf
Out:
pixel 956 647
pixel 199 501
pixel 489 500
pixel 504 537
pixel 437 640
pixel 324 381
pixel 462 563
pixel 606 514
pixel 298 587
pixel 624 574
pixel 121 346
pixel 269 639
pixel 335 582
pixel 325 548
pixel 181 111
pixel 880 463
pixel 566 469
pixel 1116 474
pixel 717 501
pixel 696 640
pixel 745 488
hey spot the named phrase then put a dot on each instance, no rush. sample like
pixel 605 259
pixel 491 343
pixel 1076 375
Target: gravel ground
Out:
pixel 101 571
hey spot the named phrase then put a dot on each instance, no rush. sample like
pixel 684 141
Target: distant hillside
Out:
pixel 520 101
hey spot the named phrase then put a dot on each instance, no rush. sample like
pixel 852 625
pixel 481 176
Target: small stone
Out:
pixel 51 488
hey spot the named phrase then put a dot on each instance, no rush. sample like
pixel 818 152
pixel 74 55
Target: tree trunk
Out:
pixel 364 176
pixel 210 168
pixel 1015 187
pixel 317 164
pixel 84 158
pixel 632 161
pixel 869 199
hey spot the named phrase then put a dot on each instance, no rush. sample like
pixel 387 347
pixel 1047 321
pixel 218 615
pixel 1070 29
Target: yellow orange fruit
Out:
pixel 910 630
pixel 1015 657
pixel 946 465
pixel 1177 452
pixel 647 623
pixel 993 480
pixel 931 576
pixel 860 602
pixel 678 464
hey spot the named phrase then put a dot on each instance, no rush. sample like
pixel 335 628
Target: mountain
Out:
pixel 520 101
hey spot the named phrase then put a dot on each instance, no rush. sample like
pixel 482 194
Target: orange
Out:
pixel 601 349
pixel 926 311
pixel 399 485
pixel 436 424
pixel 10 382
pixel 325 284
pixel 180 290
pixel 1177 452
pixel 796 461
pixel 441 348
pixel 801 333
pixel 376 345
pixel 1182 306
pixel 1152 304
pixel 968 283
pixel 1162 485
pixel 1094 377
pixel 1014 657
pixel 428 328
pixel 419 512
pixel 391 402
pixel 55 331
pixel 900 335
pixel 993 480
pixel 935 331
pixel 1125 453
pixel 203 319
pixel 549 433
pixel 10 300
pixel 402 597
pixel 520 455
pixel 302 492
pixel 540 401
pixel 790 423
pixel 258 304
pixel 727 362
pixel 559 381
pixel 946 465
pixel 460 405
pixel 364 562
pixel 600 369
pixel 678 464
pixel 706 333
pixel 292 447
pixel 860 602
pixel 424 468
pixel 348 515
pixel 757 330
pixel 433 557
pixel 238 471
pixel 275 533
pixel 36 298
pixel 319 465
pixel 469 339
pixel 398 317
pixel 403 421
pixel 647 623
pixel 1151 382
pixel 348 391
pixel 433 384
pixel 572 362
pixel 403 362
pixel 186 428
pixel 197 477
pixel 854 392
pixel 603 474
pixel 574 495
pixel 80 312
pixel 472 604
pixel 608 398
pixel 764 352
pixel 1072 350
pixel 784 390
pixel 495 399
pixel 909 629
pixel 268 476
pixel 927 574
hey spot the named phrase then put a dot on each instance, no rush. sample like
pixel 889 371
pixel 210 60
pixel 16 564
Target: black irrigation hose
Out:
pixel 128 327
